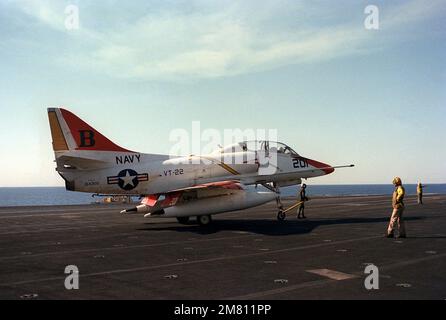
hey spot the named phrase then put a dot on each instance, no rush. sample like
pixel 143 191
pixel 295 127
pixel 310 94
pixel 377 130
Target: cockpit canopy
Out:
pixel 259 145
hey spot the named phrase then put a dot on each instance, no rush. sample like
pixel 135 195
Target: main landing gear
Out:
pixel 204 220
pixel 183 220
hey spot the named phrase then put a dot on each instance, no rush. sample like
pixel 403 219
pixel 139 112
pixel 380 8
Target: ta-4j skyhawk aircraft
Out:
pixel 181 187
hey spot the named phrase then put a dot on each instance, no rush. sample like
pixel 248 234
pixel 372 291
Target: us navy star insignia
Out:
pixel 128 179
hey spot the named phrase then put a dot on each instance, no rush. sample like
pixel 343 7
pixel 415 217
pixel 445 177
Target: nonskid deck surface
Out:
pixel 242 255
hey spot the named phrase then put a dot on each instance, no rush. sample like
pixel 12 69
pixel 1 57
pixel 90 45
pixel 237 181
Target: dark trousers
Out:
pixel 301 209
pixel 420 198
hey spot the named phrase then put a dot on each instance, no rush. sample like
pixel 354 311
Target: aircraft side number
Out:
pixel 300 163
pixel 176 172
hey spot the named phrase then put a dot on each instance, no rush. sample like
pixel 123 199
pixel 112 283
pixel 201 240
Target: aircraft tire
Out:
pixel 281 216
pixel 183 220
pixel 204 220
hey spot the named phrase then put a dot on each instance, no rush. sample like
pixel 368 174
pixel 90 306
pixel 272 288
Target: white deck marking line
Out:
pixel 119 271
pixel 21 257
pixel 53 212
pixel 410 262
pixel 79 225
pixel 281 290
pixel 262 294
pixel 332 274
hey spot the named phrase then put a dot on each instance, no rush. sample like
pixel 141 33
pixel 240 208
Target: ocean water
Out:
pixel 38 196
pixel 362 189
pixel 41 196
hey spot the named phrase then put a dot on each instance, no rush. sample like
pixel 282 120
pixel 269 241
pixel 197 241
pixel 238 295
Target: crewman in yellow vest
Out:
pixel 398 208
pixel 420 193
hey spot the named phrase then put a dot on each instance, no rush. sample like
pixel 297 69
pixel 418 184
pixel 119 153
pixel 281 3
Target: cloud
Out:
pixel 185 46
pixel 218 39
pixel 413 11
pixel 46 11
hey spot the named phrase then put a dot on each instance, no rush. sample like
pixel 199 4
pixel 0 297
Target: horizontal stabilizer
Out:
pixel 67 162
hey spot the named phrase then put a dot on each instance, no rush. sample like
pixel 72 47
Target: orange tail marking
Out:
pixel 86 137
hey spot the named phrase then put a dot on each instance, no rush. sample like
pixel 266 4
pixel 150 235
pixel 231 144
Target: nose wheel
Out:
pixel 281 215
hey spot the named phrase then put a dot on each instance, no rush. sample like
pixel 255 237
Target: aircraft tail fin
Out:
pixel 70 133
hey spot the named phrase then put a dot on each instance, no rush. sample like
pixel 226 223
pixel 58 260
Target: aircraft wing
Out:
pixel 206 190
pixel 240 181
pixel 224 184
pixel 214 197
pixel 156 202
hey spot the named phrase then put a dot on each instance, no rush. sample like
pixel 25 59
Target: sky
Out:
pixel 334 90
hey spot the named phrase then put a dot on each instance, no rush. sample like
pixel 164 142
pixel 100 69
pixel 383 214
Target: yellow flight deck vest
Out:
pixel 398 197
pixel 419 189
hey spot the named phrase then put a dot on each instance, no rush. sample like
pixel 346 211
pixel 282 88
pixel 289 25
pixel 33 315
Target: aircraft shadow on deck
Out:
pixel 265 227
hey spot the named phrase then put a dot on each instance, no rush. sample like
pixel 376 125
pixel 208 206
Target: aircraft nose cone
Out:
pixel 329 170
pixel 320 165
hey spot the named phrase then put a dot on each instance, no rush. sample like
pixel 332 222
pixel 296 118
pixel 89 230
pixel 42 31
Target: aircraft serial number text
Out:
pixel 176 172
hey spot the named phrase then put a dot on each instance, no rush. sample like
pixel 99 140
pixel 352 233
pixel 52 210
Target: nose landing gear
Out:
pixel 274 187
pixel 281 215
